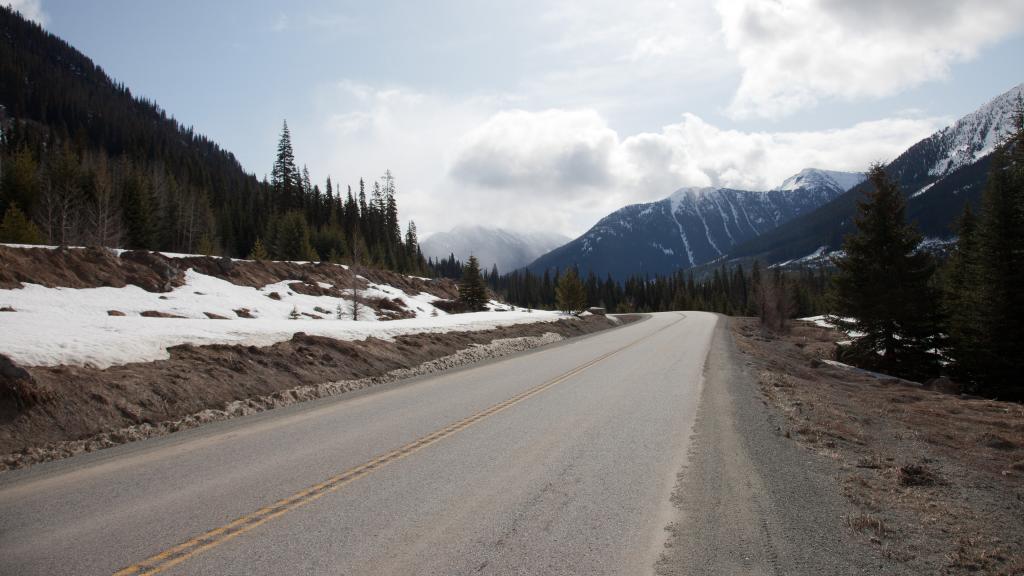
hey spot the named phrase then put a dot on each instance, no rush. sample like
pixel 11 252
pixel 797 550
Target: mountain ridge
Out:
pixel 690 227
pixel 938 175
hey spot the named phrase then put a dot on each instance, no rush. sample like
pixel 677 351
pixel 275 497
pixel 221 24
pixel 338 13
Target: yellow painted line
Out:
pixel 208 540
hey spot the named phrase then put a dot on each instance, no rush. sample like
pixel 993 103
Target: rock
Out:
pixel 115 313
pixel 213 316
pixel 244 313
pixel 7 309
pixel 157 314
pixel 274 296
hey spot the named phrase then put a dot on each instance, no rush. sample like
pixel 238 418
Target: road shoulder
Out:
pixel 749 501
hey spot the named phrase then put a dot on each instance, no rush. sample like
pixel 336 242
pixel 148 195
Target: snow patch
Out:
pixel 54 326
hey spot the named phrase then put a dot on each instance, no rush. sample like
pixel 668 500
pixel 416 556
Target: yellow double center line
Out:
pixel 182 552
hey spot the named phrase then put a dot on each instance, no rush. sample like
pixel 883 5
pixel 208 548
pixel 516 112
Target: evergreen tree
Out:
pixel 570 295
pixel 17 229
pixel 292 242
pixel 1000 270
pixel 259 252
pixel 962 300
pixel 138 212
pixel 284 177
pixel 20 182
pixel 472 290
pixel 883 283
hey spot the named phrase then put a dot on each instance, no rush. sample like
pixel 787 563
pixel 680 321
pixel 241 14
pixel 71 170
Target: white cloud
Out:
pixel 31 9
pixel 476 161
pixel 564 169
pixel 794 52
pixel 693 152
pixel 533 151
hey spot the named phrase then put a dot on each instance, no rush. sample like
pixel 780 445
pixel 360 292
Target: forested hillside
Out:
pixel 83 161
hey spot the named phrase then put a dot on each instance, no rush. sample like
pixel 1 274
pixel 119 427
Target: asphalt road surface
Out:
pixel 557 461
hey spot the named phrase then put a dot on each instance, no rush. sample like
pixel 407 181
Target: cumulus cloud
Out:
pixel 794 52
pixel 565 149
pixel 583 169
pixel 31 9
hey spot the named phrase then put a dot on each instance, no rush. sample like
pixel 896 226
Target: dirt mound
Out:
pixel 87 268
pixel 86 402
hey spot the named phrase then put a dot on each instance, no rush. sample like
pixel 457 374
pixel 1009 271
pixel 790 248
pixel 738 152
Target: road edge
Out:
pixel 748 501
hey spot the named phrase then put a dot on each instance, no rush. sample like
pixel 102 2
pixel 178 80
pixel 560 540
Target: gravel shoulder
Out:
pixel 750 501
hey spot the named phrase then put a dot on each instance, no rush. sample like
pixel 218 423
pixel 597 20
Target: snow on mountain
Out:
pixel 692 226
pixel 492 246
pixel 938 174
pixel 976 134
pixel 811 177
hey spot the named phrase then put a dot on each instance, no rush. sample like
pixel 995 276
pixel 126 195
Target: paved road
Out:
pixel 557 461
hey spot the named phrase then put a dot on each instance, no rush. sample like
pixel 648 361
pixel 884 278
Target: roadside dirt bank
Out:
pixel 154 272
pixel 935 480
pixel 61 411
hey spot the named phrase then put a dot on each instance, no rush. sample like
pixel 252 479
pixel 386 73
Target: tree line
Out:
pixel 733 290
pixel 55 191
pixel 83 161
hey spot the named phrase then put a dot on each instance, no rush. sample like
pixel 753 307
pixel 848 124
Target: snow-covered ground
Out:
pixel 54 326
pixel 824 322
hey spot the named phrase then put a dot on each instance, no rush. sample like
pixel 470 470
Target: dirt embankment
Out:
pixel 937 479
pixel 68 409
pixel 154 272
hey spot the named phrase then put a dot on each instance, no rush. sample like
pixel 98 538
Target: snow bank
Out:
pixel 54 326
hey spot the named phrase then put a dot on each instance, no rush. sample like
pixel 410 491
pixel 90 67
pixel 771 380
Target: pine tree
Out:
pixel 883 283
pixel 138 212
pixel 292 241
pixel 472 290
pixel 259 252
pixel 206 246
pixel 1001 268
pixel 17 229
pixel 20 182
pixel 962 299
pixel 285 178
pixel 570 296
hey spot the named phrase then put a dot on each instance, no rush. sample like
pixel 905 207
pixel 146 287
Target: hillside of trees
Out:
pixel 84 162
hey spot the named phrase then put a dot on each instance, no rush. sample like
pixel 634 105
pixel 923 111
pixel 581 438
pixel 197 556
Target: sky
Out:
pixel 549 114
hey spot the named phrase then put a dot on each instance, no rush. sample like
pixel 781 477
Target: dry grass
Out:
pixel 921 467
pixel 917 475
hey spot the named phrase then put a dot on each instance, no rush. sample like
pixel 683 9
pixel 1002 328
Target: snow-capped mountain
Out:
pixel 692 226
pixel 938 175
pixel 492 246
pixel 815 178
pixel 975 135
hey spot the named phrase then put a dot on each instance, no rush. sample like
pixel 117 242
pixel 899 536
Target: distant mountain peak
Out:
pixel 507 249
pixel 815 177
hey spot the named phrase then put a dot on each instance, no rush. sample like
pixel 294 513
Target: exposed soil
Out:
pixel 53 412
pixel 154 272
pixel 937 479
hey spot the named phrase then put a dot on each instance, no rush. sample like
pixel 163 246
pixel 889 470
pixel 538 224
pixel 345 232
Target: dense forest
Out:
pixel 84 162
pixel 727 290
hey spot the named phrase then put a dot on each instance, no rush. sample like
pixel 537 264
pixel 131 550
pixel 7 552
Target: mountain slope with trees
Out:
pixel 87 162
pixel 937 176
